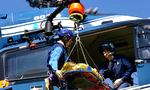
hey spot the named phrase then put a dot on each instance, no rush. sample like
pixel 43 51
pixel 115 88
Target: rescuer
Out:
pixel 116 67
pixel 57 56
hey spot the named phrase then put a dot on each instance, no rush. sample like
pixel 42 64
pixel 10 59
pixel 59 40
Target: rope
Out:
pixel 78 41
pixel 75 26
pixel 71 52
pixel 78 53
pixel 90 57
pixel 83 53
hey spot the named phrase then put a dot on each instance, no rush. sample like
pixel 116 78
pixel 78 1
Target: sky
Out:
pixel 138 8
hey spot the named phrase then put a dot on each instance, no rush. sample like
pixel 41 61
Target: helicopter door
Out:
pixel 142 52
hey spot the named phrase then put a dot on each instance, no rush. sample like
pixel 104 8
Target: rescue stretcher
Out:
pixel 82 76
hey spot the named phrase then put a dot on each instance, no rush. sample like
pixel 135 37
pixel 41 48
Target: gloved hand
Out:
pixel 58 74
pixel 117 83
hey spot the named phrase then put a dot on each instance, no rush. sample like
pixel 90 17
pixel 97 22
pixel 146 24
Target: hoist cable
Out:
pixel 90 57
pixel 78 40
pixel 71 51
pixel 78 53
pixel 80 45
pixel 75 23
pixel 83 53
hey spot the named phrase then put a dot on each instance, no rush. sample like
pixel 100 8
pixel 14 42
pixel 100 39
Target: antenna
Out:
pixel 88 11
pixel 91 11
pixel 95 10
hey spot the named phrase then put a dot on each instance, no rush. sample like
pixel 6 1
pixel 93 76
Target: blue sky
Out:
pixel 139 8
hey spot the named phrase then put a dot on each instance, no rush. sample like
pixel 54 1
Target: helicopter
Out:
pixel 26 38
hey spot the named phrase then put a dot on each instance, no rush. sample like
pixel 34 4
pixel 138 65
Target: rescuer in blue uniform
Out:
pixel 57 56
pixel 116 67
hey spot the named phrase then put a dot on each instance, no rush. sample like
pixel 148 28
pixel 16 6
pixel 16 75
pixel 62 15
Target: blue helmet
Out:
pixel 106 45
pixel 65 33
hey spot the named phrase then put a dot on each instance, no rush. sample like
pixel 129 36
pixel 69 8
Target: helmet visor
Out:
pixel 105 48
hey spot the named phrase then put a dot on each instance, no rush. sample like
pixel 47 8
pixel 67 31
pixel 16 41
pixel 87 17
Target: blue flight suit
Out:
pixel 119 67
pixel 56 58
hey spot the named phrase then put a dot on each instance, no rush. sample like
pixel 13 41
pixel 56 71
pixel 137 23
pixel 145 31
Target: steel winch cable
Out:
pixel 82 47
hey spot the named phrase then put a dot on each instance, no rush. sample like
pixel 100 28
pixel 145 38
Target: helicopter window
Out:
pixel 143 37
pixel 26 63
pixel 144 41
pixel 144 53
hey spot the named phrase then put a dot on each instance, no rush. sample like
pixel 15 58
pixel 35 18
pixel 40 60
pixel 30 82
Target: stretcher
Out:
pixel 82 76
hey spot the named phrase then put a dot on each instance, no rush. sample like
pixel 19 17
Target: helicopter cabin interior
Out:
pixel 121 37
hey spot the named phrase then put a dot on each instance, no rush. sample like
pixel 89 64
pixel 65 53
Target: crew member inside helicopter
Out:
pixel 57 56
pixel 116 67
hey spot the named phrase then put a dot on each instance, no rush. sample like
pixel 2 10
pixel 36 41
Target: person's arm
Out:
pixel 129 68
pixel 54 57
pixel 103 70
